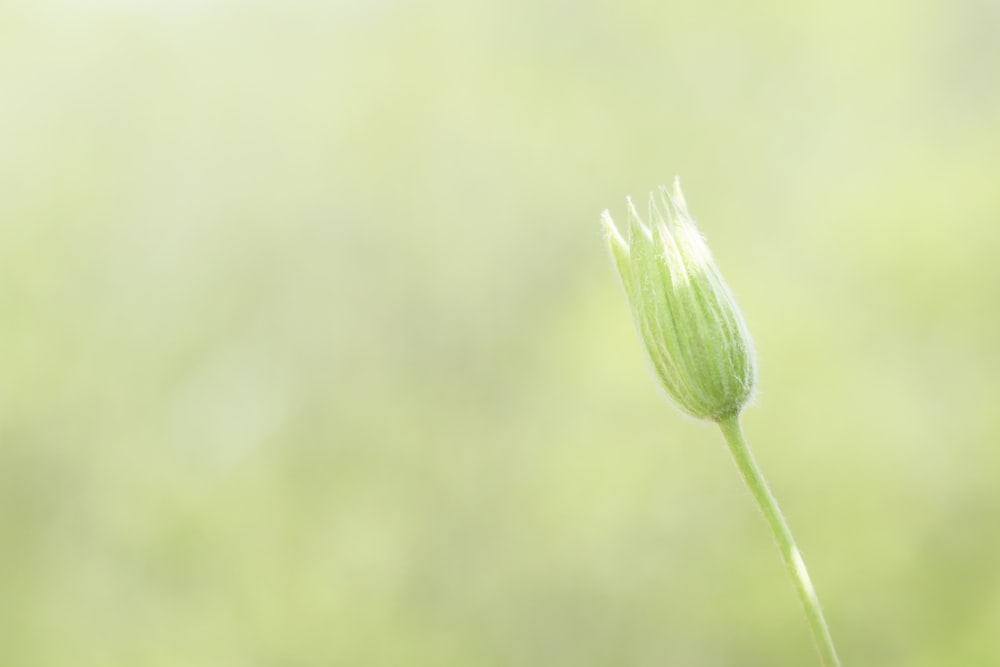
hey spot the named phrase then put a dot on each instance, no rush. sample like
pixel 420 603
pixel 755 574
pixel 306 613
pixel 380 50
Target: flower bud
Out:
pixel 693 332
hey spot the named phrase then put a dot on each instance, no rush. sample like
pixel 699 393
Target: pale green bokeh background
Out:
pixel 311 353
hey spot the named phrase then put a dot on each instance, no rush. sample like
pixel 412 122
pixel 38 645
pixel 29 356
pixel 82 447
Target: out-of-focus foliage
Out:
pixel 311 353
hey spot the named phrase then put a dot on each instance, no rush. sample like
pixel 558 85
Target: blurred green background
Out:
pixel 311 352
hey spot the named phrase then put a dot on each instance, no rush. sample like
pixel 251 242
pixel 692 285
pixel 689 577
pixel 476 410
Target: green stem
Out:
pixel 783 535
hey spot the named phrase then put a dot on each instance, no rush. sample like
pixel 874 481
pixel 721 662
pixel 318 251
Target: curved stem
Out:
pixel 783 535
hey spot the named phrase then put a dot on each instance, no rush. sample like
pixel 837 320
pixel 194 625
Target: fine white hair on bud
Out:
pixel 689 323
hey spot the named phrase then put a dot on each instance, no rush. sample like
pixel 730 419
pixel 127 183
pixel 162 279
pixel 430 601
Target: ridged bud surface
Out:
pixel 687 318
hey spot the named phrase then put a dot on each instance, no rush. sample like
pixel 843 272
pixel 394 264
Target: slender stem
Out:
pixel 783 535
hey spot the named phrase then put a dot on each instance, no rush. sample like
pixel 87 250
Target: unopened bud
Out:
pixel 693 332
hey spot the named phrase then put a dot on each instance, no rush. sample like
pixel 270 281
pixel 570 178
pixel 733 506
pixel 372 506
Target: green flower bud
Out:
pixel 694 334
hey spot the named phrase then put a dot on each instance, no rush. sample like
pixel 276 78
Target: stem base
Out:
pixel 790 554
